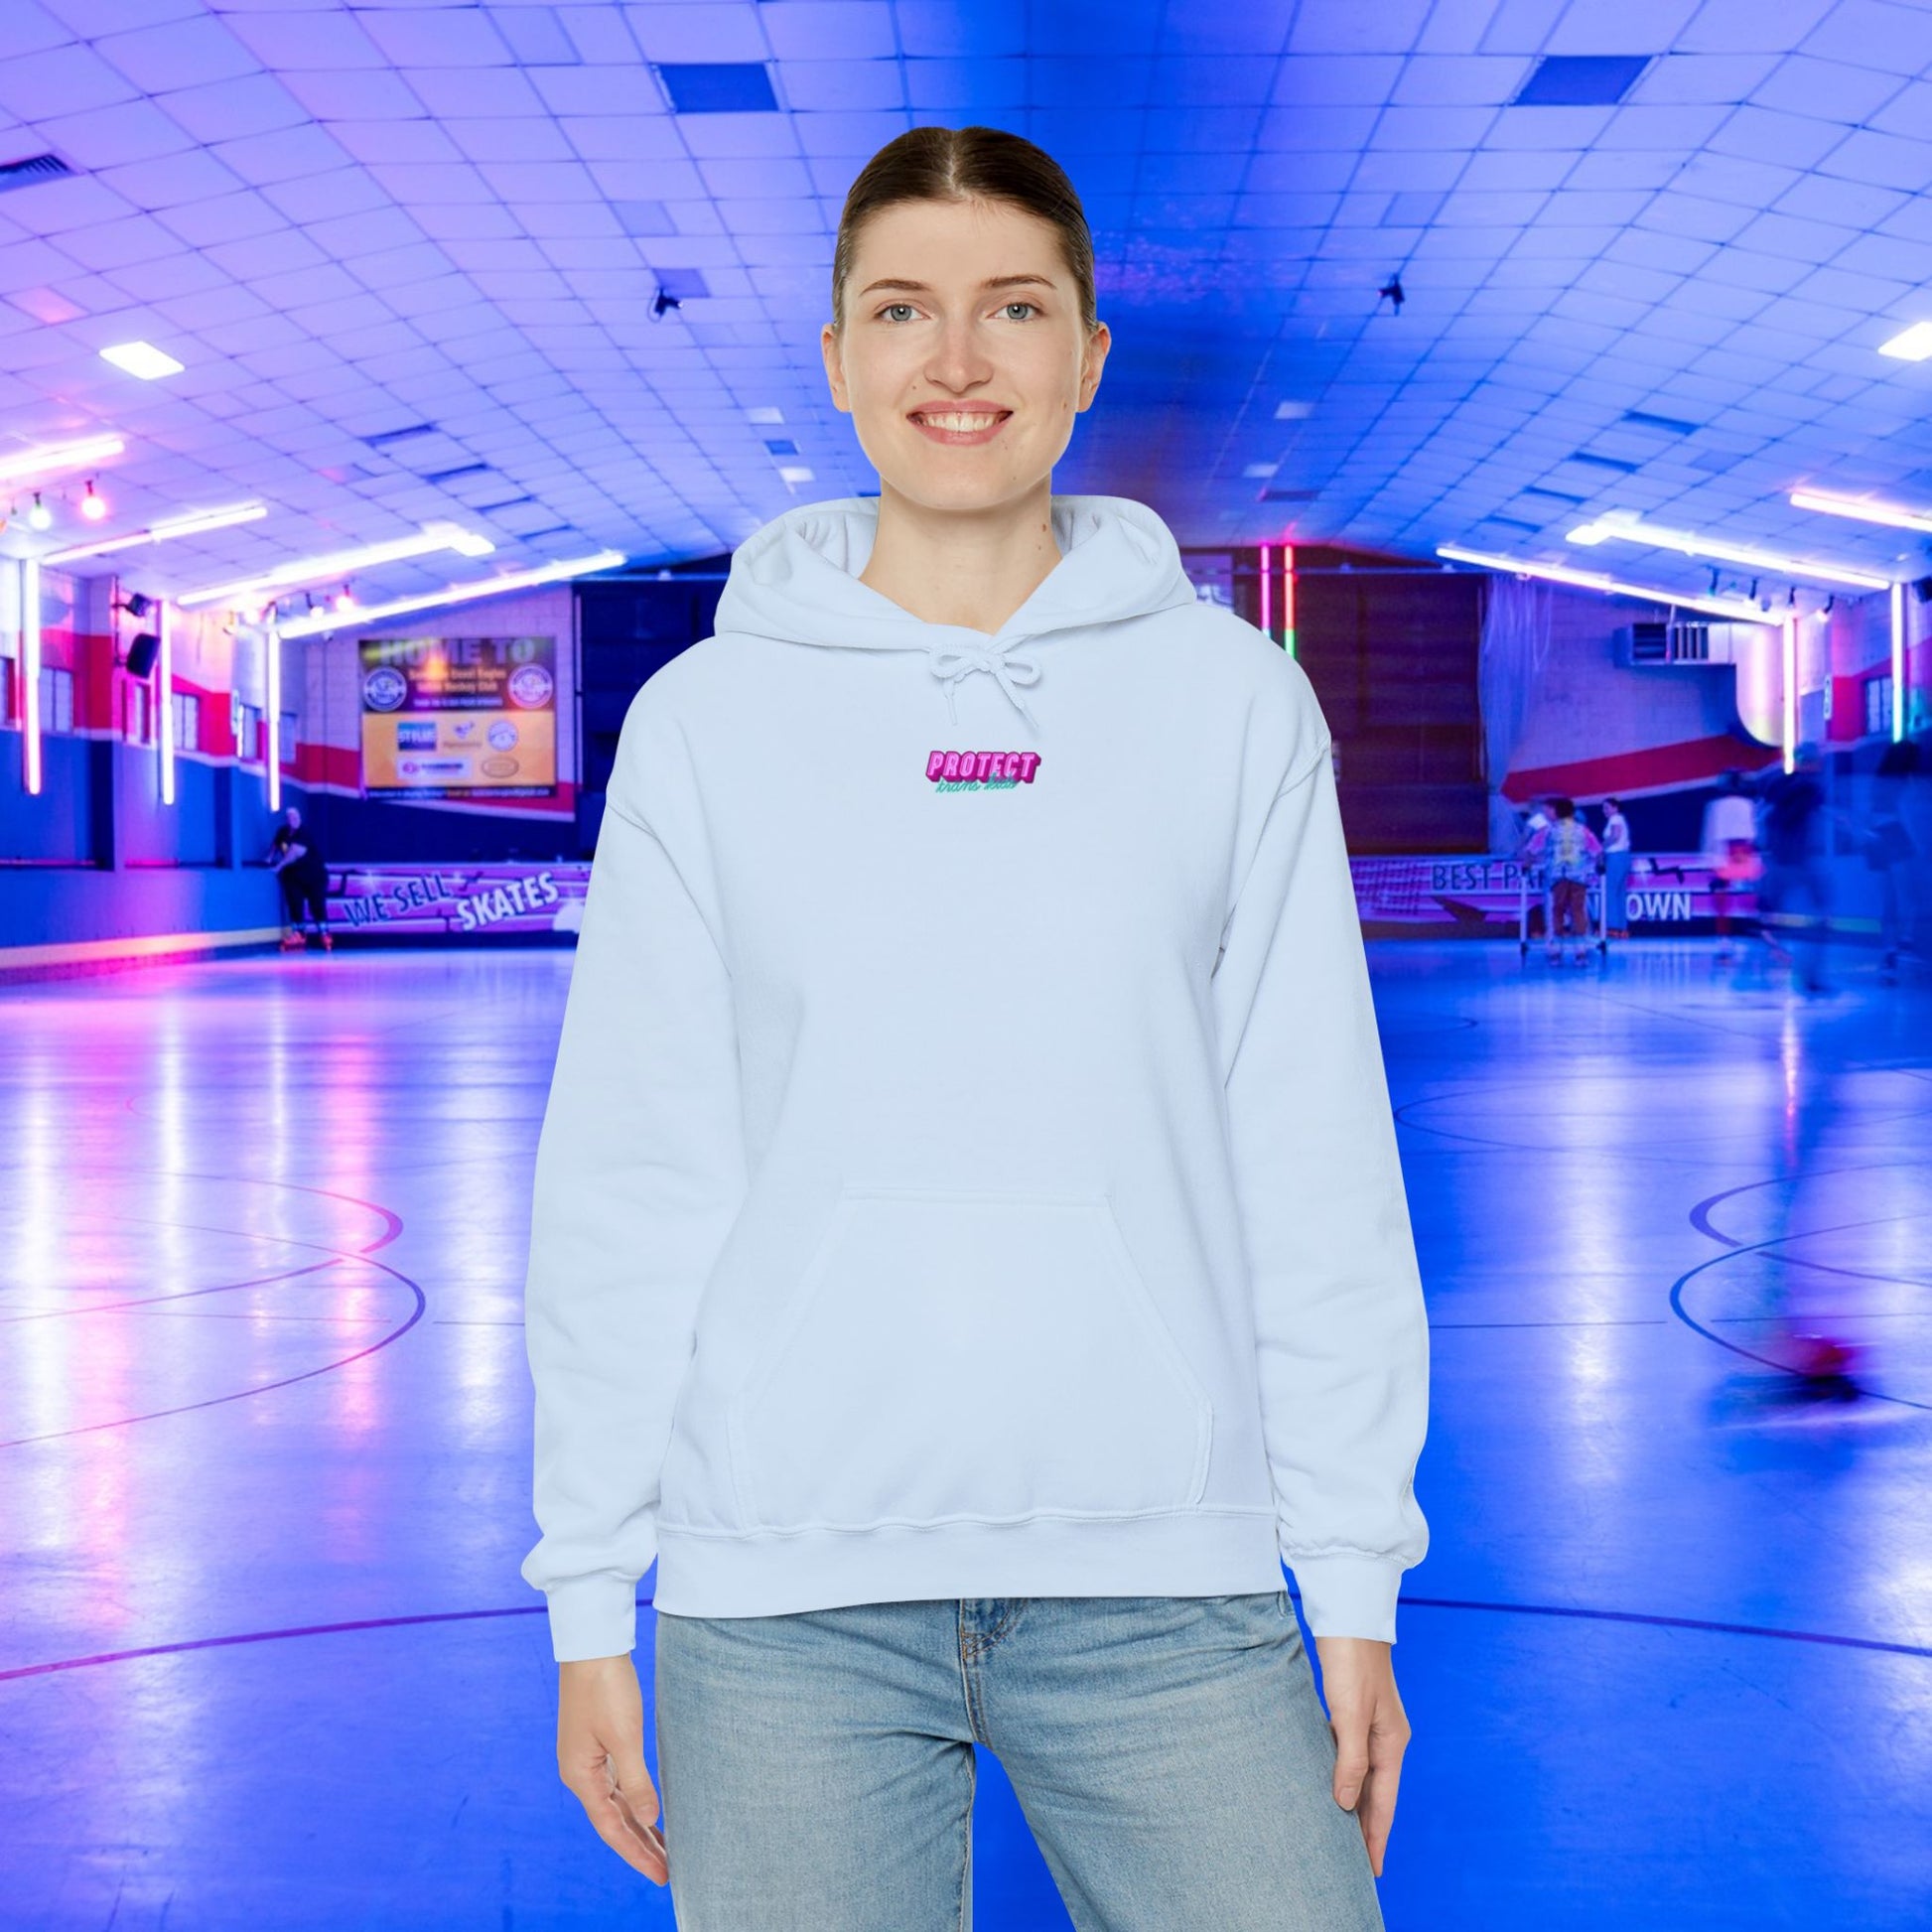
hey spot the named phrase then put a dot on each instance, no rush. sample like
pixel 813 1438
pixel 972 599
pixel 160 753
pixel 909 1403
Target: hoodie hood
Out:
pixel 798 580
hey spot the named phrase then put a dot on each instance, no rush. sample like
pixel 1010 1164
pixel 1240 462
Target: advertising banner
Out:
pixel 478 901
pixel 459 717
pixel 1481 896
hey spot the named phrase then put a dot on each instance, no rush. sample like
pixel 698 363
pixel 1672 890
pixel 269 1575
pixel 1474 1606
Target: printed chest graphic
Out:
pixel 981 771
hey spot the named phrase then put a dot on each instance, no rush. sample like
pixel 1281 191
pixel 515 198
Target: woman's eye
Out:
pixel 1011 306
pixel 898 311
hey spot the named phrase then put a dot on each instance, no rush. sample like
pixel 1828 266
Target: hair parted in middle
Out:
pixel 967 164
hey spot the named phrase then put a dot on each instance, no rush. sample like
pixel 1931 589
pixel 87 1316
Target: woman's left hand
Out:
pixel 1371 1732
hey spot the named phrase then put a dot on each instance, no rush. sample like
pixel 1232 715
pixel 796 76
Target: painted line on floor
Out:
pixel 1655 1622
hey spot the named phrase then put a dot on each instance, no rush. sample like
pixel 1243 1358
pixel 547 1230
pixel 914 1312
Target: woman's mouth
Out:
pixel 959 426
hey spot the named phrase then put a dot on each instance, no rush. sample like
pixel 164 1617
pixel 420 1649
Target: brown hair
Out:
pixel 966 163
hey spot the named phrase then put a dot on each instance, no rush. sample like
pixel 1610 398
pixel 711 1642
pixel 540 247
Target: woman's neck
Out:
pixel 972 569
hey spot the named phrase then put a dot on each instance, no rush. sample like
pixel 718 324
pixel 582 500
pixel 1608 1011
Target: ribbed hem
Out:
pixel 1181 1553
pixel 1349 1597
pixel 592 1616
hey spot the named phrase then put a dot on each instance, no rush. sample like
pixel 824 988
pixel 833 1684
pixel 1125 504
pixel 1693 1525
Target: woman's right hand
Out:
pixel 601 1758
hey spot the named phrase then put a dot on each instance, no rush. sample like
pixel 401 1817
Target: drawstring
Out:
pixel 951 662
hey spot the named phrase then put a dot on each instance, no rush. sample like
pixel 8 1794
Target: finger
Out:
pixel 613 1824
pixel 1351 1760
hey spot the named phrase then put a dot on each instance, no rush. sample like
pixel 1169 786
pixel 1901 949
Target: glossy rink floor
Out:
pixel 265 1659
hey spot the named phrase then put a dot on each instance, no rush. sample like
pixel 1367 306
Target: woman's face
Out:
pixel 963 359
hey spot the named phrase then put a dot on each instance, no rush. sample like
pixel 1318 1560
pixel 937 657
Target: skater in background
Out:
pixel 1568 852
pixel 298 863
pixel 1892 851
pixel 1616 871
pixel 1730 846
pixel 1796 893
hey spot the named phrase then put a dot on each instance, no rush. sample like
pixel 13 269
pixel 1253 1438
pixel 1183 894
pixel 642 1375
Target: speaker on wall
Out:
pixel 141 653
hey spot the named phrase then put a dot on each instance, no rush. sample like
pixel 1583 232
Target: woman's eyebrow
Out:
pixel 925 288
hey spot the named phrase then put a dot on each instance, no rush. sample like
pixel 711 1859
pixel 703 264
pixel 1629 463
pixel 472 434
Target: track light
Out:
pixel 59 455
pixel 1625 526
pixel 189 525
pixel 1590 580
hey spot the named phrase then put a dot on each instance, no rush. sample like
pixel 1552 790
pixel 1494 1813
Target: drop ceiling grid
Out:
pixel 349 217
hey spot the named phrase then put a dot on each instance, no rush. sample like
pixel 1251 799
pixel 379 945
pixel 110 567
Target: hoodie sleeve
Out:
pixel 1341 1331
pixel 639 1173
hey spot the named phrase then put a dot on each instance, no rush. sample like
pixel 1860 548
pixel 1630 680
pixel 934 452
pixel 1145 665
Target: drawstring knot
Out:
pixel 951 662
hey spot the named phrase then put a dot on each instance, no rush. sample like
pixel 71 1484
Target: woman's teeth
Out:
pixel 959 419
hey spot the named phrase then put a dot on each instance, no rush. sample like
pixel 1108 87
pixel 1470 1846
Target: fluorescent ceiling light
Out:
pixel 1590 580
pixel 516 580
pixel 58 455
pixel 796 473
pixel 1913 344
pixel 315 570
pixel 142 359
pixel 173 527
pixel 1629 528
pixel 1862 510
pixel 764 412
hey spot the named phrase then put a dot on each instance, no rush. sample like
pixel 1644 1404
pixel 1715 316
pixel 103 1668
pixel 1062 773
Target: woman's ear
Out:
pixel 1092 363
pixel 828 347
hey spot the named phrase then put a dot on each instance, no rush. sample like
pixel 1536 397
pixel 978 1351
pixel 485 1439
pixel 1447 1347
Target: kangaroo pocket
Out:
pixel 967 1355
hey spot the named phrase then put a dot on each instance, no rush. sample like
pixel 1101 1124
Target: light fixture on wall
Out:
pixel 1625 526
pixel 517 580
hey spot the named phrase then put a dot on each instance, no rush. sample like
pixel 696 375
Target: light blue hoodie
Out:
pixel 969 1170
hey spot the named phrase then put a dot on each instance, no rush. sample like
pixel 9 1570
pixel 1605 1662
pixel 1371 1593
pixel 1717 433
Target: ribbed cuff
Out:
pixel 1349 1597
pixel 592 1616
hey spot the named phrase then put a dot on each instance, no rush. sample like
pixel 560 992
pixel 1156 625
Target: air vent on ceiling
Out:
pixel 1664 425
pixel 508 504
pixel 718 86
pixel 36 168
pixel 1615 462
pixel 383 438
pixel 1553 496
pixel 1512 524
pixel 1273 495
pixel 450 476
pixel 1580 80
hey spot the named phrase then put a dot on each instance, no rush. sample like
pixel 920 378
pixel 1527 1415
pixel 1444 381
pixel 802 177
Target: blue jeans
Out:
pixel 1169 1753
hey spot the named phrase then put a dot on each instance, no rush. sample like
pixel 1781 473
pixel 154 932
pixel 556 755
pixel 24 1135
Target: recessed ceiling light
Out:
pixel 1913 344
pixel 1624 527
pixel 1293 412
pixel 189 525
pixel 516 580
pixel 341 563
pixel 1860 510
pixel 1261 470
pixel 1588 580
pixel 142 359
pixel 58 455
pixel 794 473
pixel 764 412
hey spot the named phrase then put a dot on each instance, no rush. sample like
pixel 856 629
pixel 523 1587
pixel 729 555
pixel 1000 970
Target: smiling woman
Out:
pixel 969 1250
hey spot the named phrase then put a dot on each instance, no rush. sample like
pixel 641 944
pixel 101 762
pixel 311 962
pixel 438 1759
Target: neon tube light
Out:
pixel 1897 664
pixel 30 672
pixel 1633 529
pixel 164 696
pixel 1287 598
pixel 1789 733
pixel 58 455
pixel 1862 510
pixel 175 526
pixel 323 622
pixel 313 570
pixel 1590 580
pixel 1266 591
pixel 272 751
